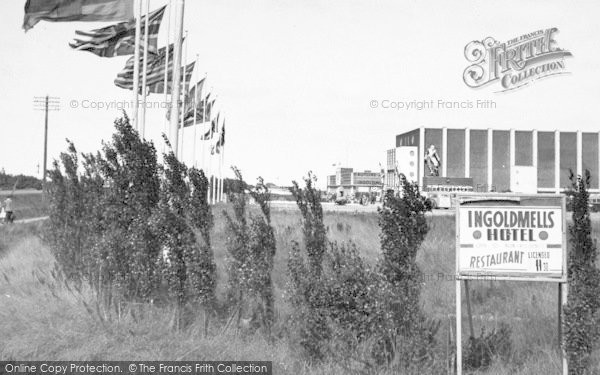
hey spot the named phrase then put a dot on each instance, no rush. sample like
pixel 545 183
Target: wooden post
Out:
pixel 458 329
pixel 458 291
pixel 563 291
pixel 560 315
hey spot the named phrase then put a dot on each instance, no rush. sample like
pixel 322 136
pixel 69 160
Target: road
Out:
pixel 20 192
pixel 351 207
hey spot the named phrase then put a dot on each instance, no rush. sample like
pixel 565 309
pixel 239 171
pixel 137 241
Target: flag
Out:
pixel 187 109
pixel 193 97
pixel 202 114
pixel 221 142
pixel 155 65
pixel 159 87
pixel 155 73
pixel 210 133
pixel 119 39
pixel 76 10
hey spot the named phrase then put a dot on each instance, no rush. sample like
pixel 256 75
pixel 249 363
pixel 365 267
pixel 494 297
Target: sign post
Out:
pixel 510 237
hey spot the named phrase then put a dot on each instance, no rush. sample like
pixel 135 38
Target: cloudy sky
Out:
pixel 296 80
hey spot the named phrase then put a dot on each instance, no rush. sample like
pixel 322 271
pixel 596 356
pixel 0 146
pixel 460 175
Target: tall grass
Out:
pixel 42 318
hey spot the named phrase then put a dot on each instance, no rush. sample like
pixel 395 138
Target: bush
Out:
pixel 110 222
pixel 403 229
pixel 251 251
pixel 307 293
pixel 182 221
pixel 580 319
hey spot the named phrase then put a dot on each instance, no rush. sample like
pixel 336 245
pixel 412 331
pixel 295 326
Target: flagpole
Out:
pixel 166 81
pixel 203 140
pixel 222 162
pixel 195 114
pixel 145 71
pixel 210 159
pixel 174 121
pixel 136 65
pixel 184 96
pixel 220 185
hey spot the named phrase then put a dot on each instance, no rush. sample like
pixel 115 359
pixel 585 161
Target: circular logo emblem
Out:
pixel 477 234
pixel 543 235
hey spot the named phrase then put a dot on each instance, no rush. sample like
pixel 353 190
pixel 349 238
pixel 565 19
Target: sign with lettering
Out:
pixel 511 241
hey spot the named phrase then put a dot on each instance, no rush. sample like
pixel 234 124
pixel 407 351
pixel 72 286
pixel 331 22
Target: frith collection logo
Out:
pixel 516 62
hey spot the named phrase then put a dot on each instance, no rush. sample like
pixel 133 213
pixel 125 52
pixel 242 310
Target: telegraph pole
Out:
pixel 46 104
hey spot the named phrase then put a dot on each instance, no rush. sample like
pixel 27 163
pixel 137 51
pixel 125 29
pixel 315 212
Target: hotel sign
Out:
pixel 496 240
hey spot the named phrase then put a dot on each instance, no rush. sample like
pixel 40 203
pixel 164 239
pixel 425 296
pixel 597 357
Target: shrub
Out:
pixel 313 229
pixel 403 229
pixel 307 293
pixel 182 221
pixel 580 319
pixel 109 222
pixel 251 249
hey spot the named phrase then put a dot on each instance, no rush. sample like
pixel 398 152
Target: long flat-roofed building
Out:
pixel 349 182
pixel 522 161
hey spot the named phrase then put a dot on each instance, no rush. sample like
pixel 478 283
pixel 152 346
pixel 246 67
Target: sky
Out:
pixel 296 81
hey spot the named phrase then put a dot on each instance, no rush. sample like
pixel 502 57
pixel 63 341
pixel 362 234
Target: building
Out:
pixel 529 161
pixel 349 182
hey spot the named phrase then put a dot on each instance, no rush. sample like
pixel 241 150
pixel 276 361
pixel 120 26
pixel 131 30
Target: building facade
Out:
pixel 517 161
pixel 349 182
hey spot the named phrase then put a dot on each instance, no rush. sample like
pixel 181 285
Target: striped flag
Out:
pixel 159 87
pixel 76 10
pixel 119 39
pixel 155 72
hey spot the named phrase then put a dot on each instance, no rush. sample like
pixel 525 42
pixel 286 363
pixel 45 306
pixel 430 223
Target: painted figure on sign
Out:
pixel 433 161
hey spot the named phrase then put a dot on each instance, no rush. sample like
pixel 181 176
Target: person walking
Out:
pixel 8 209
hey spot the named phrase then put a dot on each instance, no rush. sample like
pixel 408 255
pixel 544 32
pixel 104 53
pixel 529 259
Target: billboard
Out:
pixel 511 241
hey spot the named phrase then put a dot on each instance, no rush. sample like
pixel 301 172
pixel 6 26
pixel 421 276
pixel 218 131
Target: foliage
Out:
pixel 20 181
pixel 251 251
pixel 581 312
pixel 116 214
pixel 182 221
pixel 307 293
pixel 403 229
pixel 314 232
pixel 482 350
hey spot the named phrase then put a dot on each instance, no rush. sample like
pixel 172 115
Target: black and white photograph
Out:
pixel 299 187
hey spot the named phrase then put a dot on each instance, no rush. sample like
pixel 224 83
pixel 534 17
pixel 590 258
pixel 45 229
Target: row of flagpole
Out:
pixel 125 38
pixel 215 179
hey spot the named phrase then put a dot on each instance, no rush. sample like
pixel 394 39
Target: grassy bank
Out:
pixel 42 318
